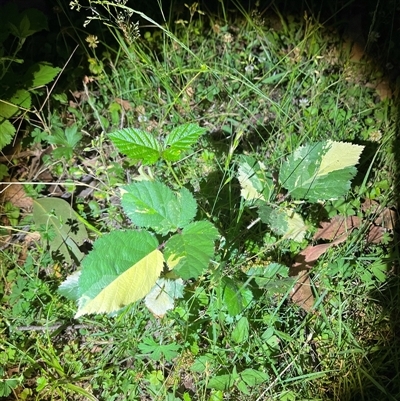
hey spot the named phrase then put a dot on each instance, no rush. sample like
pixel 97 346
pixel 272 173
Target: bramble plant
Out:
pixel 316 172
pixel 126 266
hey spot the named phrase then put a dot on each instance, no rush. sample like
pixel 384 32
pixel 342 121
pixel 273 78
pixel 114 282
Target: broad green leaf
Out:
pixel 180 140
pixel 162 296
pixel 284 221
pixel 320 171
pixel 137 144
pixel 240 333
pixel 58 218
pixel 122 268
pixel 254 181
pixel 235 295
pixel 12 107
pixel 190 251
pixel 253 377
pixel 41 74
pixel 223 382
pixel 153 204
pixel 7 132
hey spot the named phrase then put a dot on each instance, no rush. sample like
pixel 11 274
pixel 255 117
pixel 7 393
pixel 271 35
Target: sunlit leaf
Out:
pixel 180 139
pixel 153 204
pixel 320 171
pixel 137 144
pixel 162 296
pixel 284 221
pixel 122 268
pixel 255 182
pixel 189 252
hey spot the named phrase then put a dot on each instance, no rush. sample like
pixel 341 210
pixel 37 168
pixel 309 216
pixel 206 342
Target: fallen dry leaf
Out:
pixel 15 194
pixel 301 293
pixel 124 103
pixel 337 226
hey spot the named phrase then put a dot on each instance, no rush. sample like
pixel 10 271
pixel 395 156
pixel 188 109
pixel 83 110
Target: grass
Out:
pixel 262 84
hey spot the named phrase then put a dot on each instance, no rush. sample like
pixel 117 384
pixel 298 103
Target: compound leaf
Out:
pixel 320 171
pixel 153 204
pixel 254 181
pixel 189 252
pixel 122 268
pixel 137 144
pixel 56 216
pixel 180 140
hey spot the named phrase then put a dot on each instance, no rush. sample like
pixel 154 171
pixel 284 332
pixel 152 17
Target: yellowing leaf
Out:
pixel 130 286
pixel 162 297
pixel 296 227
pixel 339 156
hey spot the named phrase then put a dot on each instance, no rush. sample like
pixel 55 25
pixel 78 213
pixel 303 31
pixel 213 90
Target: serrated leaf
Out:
pixel 41 74
pixel 162 296
pixel 122 268
pixel 7 132
pixel 153 204
pixel 284 221
pixel 69 288
pixel 180 139
pixel 235 295
pixel 189 252
pixel 320 171
pixel 137 144
pixel 57 216
pixel 254 181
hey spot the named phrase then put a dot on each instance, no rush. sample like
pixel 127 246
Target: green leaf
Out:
pixel 255 182
pixel 3 167
pixel 122 268
pixel 41 74
pixel 240 333
pixel 69 288
pixel 57 216
pixel 162 296
pixel 155 350
pixel 320 171
pixel 284 221
pixel 27 23
pixel 153 204
pixel 137 144
pixel 11 107
pixel 223 382
pixel 7 132
pixel 235 295
pixel 189 252
pixel 180 140
pixel 273 278
pixel 253 377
